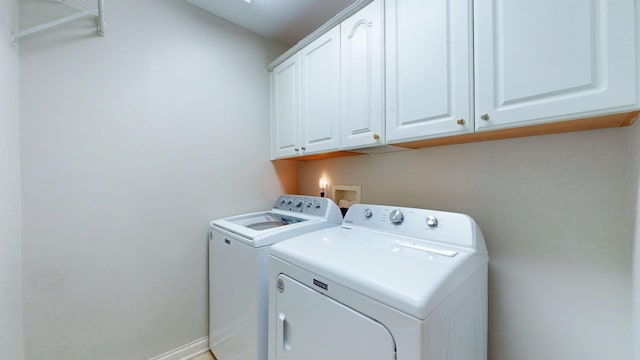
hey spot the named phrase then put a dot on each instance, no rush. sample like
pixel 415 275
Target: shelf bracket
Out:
pixel 97 12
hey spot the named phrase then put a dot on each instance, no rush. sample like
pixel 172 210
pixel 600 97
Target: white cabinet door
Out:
pixel 312 326
pixel 285 108
pixel 548 60
pixel 320 93
pixel 362 78
pixel 428 69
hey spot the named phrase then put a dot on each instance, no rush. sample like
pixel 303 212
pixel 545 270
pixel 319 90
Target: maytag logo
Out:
pixel 320 284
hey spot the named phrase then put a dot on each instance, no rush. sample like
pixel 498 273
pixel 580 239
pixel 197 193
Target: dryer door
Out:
pixel 312 326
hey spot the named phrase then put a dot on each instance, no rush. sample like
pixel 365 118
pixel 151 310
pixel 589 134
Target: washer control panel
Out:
pixel 310 205
pixel 452 228
pixel 396 217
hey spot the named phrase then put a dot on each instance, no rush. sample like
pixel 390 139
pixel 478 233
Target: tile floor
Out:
pixel 205 356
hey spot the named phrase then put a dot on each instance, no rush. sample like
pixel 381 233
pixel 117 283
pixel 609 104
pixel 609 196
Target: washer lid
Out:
pixel 264 221
pixel 267 227
pixel 291 215
pixel 408 274
pixel 256 230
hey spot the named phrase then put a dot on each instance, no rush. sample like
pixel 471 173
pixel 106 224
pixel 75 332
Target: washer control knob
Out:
pixel 299 202
pixel 282 201
pixel 309 204
pixel 367 213
pixel 396 217
pixel 289 201
pixel 318 205
pixel 432 221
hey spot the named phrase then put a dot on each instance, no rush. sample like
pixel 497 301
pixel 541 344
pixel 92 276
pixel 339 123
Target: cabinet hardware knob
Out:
pixel 484 117
pixel 303 148
pixel 376 137
pixel 296 149
pixel 460 121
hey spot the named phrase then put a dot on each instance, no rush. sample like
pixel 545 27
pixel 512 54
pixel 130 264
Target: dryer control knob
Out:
pixel 318 204
pixel 396 217
pixel 367 213
pixel 299 202
pixel 432 221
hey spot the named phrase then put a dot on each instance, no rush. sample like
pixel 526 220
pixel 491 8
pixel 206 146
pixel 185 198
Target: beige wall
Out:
pixel 10 298
pixel 557 212
pixel 131 144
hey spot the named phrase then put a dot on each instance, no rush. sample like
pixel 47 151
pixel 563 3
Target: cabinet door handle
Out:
pixel 460 121
pixel 304 148
pixel 484 117
pixel 376 137
pixel 296 149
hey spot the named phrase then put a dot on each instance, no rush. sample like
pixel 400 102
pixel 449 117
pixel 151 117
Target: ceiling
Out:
pixel 286 21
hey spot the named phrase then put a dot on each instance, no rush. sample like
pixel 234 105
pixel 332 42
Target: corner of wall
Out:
pixel 635 275
pixel 635 167
pixel 11 329
pixel 287 171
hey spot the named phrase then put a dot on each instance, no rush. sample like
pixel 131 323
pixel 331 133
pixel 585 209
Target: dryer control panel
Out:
pixel 446 227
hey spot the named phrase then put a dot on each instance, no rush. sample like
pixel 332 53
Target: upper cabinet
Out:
pixel 305 100
pixel 428 69
pixel 362 91
pixel 549 60
pixel 320 93
pixel 285 109
pixel 417 73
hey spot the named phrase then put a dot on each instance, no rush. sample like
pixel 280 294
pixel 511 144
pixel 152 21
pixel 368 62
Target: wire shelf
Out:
pixel 87 8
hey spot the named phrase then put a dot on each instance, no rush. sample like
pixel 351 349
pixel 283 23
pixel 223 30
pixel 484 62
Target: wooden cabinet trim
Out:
pixel 599 122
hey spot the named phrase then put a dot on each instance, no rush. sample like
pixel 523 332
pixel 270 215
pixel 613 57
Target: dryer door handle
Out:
pixel 286 332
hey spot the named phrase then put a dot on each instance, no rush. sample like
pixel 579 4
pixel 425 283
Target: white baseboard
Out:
pixel 186 352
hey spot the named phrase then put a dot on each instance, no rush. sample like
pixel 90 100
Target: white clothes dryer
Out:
pixel 238 270
pixel 390 283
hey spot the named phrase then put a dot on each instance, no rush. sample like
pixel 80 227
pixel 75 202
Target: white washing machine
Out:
pixel 390 283
pixel 238 270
